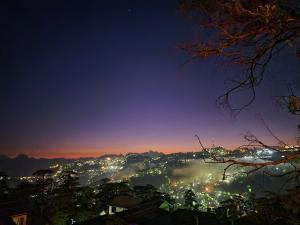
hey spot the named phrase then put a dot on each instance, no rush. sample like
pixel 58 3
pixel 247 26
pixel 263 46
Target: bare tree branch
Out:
pixel 244 33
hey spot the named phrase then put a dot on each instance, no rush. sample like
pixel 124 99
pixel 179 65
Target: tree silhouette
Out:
pixel 107 191
pixel 42 191
pixel 190 200
pixel 248 34
pixel 68 201
pixel 4 187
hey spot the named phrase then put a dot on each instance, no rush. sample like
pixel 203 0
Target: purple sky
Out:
pixel 87 78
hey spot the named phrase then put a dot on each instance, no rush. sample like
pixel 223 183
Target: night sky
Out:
pixel 86 78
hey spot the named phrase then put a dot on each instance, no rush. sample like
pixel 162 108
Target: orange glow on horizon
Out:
pixel 73 152
pixel 57 153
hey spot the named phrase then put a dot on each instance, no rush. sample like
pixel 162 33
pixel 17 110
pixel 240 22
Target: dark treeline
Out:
pixel 58 199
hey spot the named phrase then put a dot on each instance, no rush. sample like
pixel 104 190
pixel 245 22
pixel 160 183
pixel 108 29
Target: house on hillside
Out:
pixel 120 204
pixel 13 213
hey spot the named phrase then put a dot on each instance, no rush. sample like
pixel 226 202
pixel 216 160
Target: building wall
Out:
pixel 20 219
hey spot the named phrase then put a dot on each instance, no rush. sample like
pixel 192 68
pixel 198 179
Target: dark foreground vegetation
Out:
pixel 64 202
